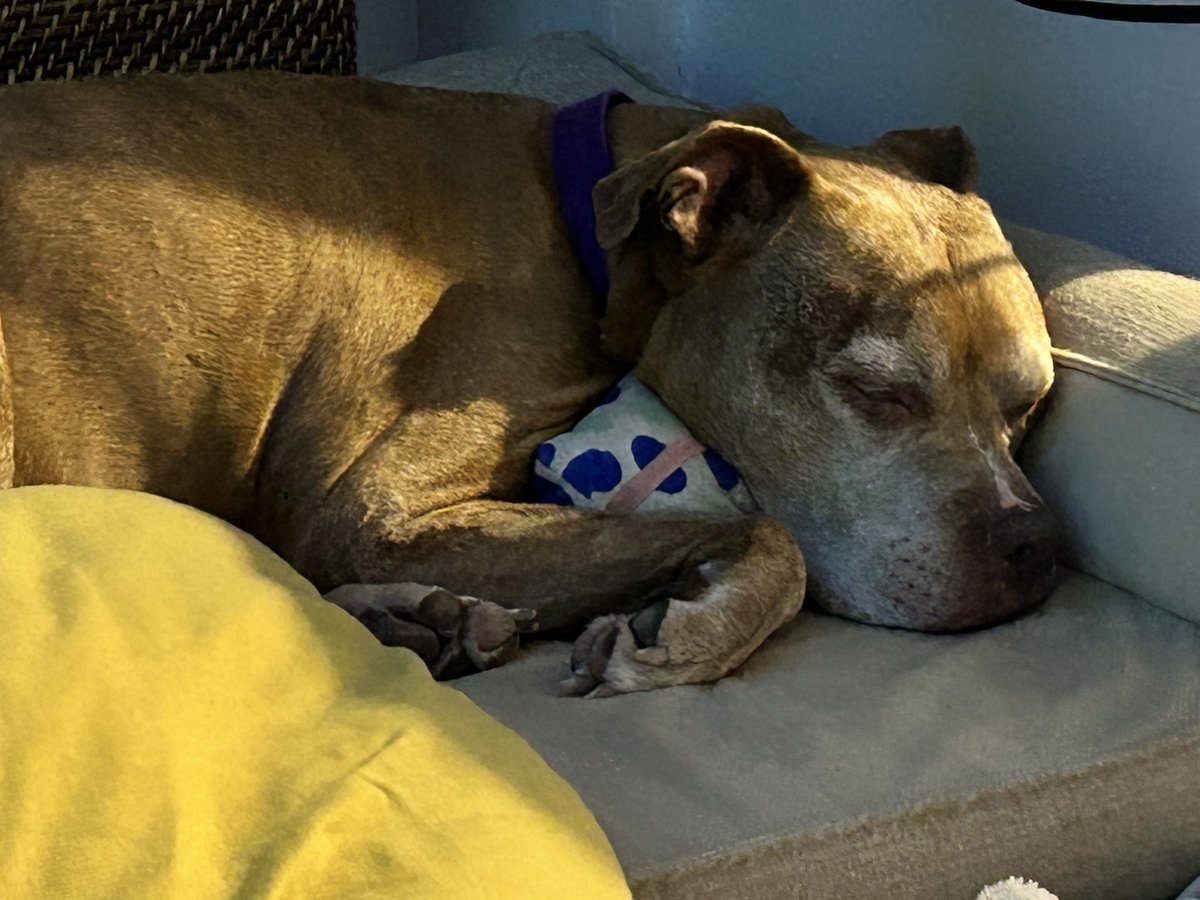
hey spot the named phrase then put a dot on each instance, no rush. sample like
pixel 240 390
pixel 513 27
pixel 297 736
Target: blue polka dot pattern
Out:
pixel 645 449
pixel 593 471
pixel 613 393
pixel 545 491
pixel 726 475
pixel 622 439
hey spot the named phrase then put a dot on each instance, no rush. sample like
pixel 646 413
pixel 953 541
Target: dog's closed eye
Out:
pixel 879 398
pixel 877 377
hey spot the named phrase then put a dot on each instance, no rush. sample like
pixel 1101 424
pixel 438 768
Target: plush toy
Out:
pixel 632 453
pixel 1015 889
pixel 1020 889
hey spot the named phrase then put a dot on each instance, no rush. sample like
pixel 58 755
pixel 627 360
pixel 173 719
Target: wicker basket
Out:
pixel 82 38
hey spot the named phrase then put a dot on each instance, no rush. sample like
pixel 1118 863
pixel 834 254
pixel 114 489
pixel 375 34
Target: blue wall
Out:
pixel 1087 128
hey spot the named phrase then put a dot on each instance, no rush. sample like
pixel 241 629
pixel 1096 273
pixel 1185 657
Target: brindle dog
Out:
pixel 341 314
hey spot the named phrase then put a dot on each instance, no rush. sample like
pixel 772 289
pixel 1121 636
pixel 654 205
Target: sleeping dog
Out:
pixel 342 314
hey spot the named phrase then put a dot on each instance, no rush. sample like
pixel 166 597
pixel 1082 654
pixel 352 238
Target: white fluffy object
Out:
pixel 1015 889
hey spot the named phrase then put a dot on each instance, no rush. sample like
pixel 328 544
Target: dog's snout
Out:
pixel 1009 497
pixel 1030 568
pixel 1022 545
pixel 1021 554
pixel 1028 539
pixel 1007 565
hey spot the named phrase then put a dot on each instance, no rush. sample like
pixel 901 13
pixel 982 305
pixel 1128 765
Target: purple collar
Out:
pixel 580 158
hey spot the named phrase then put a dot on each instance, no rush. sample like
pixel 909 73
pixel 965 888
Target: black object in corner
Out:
pixel 1174 13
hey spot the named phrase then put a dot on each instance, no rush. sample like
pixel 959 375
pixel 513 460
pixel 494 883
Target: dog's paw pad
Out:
pixel 455 635
pixel 490 634
pixel 610 657
pixel 645 625
pixel 591 653
pixel 442 611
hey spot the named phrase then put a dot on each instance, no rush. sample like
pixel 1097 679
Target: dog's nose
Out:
pixel 1008 562
pixel 1028 541
pixel 1019 566
pixel 1032 572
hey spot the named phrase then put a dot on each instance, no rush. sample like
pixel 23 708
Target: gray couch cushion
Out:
pixel 1136 323
pixel 558 68
pixel 1118 452
pixel 838 744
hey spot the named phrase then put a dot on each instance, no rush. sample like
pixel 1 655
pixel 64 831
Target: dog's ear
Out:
pixel 769 118
pixel 723 188
pixel 941 155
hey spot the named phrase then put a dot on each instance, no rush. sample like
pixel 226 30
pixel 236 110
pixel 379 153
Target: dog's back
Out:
pixel 196 273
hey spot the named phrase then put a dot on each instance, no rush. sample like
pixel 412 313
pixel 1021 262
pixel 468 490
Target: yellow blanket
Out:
pixel 181 715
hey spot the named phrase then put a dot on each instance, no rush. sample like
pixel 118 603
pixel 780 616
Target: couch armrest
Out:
pixel 558 67
pixel 1117 454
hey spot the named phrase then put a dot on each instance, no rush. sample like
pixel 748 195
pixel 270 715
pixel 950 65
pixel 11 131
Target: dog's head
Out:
pixel 852 330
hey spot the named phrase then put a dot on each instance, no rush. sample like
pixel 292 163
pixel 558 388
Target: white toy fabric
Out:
pixel 1015 889
pixel 1020 889
pixel 632 453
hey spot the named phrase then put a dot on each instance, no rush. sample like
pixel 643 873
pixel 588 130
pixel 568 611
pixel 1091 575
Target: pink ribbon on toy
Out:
pixel 644 483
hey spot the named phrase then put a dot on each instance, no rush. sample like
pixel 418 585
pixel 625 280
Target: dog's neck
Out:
pixel 581 157
pixel 591 139
pixel 635 129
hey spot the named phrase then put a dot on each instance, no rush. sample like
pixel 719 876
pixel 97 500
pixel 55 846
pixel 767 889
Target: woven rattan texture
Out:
pixel 82 38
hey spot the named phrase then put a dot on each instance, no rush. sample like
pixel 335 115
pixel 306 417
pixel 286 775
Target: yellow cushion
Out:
pixel 182 715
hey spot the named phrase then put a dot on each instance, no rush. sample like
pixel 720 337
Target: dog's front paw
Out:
pixel 617 654
pixel 690 637
pixel 706 627
pixel 453 634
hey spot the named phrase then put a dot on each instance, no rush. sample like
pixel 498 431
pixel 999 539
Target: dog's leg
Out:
pixel 674 599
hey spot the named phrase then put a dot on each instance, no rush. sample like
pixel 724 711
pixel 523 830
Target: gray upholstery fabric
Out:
pixel 1121 315
pixel 831 722
pixel 1117 454
pixel 1122 469
pixel 849 762
pixel 1089 833
pixel 559 68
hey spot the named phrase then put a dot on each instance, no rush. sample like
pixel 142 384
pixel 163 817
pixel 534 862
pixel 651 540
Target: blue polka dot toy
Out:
pixel 630 454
